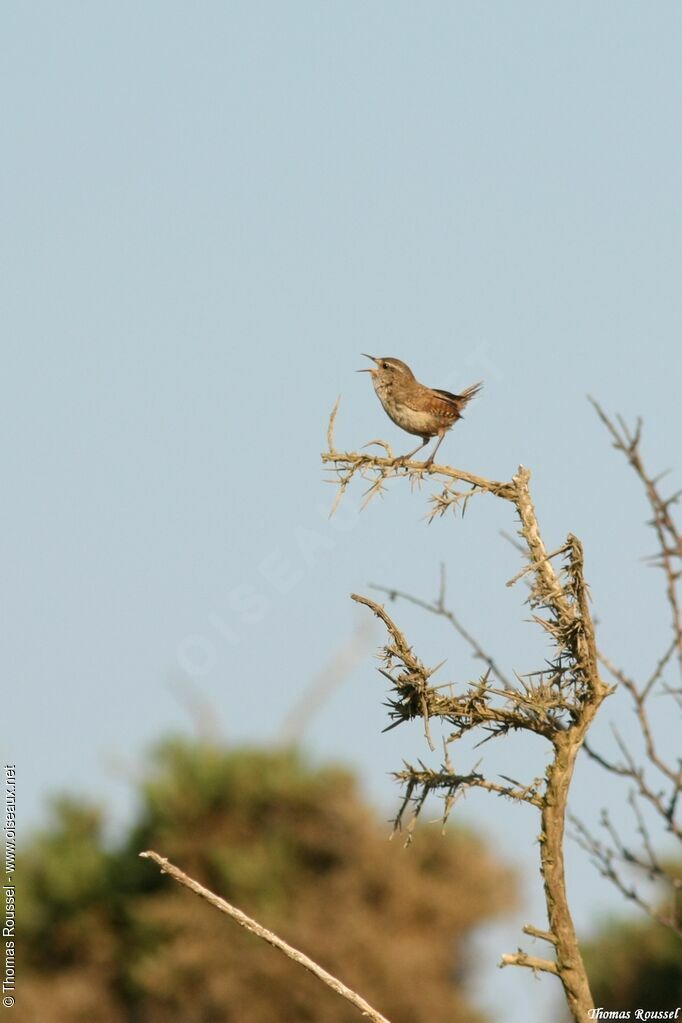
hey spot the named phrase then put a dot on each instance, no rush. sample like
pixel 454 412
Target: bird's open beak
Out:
pixel 371 368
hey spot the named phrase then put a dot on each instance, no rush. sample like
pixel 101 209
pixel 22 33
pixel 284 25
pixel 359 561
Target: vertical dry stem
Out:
pixel 569 960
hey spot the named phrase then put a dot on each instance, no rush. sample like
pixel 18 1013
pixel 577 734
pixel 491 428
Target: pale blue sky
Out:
pixel 208 212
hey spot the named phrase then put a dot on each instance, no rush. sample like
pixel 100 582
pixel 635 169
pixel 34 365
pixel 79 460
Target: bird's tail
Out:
pixel 470 392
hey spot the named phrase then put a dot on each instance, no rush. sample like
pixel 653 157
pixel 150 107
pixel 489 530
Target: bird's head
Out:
pixel 387 369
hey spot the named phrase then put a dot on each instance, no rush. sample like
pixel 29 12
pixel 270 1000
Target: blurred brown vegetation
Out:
pixel 106 939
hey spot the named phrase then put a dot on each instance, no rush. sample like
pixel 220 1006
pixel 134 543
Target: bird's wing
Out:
pixel 441 402
pixel 453 399
pixel 447 403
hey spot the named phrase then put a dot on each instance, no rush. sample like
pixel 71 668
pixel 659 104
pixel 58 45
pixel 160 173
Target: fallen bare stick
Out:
pixel 250 925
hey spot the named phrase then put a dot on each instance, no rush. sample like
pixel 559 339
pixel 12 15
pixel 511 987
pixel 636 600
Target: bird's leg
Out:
pixel 431 457
pixel 405 458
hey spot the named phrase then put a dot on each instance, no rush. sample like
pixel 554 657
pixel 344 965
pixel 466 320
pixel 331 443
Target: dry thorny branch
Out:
pixel 654 780
pixel 557 703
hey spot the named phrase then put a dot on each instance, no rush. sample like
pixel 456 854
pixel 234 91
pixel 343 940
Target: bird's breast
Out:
pixel 420 423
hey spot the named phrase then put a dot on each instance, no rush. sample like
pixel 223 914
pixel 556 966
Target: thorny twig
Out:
pixel 439 607
pixel 378 470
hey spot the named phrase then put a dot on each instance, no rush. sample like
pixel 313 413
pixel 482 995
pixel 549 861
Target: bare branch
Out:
pixel 661 786
pixel 667 533
pixel 535 932
pixel 251 925
pixel 522 958
pixel 607 860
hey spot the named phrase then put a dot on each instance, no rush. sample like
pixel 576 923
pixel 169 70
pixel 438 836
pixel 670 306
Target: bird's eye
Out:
pixel 385 365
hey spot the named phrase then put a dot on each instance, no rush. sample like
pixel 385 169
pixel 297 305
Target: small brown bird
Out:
pixel 424 411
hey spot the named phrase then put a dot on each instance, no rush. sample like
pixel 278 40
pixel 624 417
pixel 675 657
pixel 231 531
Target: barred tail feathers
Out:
pixel 470 392
pixel 459 401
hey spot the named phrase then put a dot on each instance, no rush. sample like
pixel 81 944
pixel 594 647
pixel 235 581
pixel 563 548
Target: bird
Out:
pixel 423 411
